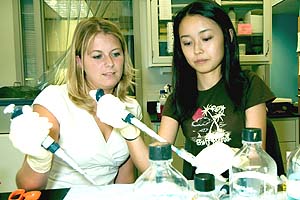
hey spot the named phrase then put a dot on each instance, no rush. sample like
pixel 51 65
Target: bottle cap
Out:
pixel 160 151
pixel 162 92
pixel 251 134
pixel 204 182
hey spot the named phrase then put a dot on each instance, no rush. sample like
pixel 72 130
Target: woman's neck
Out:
pixel 207 81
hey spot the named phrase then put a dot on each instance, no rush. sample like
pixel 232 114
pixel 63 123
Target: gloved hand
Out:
pixel 27 132
pixel 215 159
pixel 111 110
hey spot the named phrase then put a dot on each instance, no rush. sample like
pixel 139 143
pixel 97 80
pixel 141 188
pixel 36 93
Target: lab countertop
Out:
pixel 16 101
pixel 57 194
pixel 109 192
pixel 284 115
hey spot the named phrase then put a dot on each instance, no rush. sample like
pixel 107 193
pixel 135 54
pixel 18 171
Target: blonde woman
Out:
pixel 97 58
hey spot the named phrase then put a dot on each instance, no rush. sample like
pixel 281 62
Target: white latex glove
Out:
pixel 215 159
pixel 111 110
pixel 27 132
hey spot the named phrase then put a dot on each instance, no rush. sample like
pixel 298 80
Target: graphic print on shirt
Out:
pixel 208 126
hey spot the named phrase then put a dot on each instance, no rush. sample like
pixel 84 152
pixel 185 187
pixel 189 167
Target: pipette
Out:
pixel 129 118
pixel 114 113
pixel 50 144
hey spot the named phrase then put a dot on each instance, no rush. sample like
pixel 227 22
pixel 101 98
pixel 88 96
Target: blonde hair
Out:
pixel 74 76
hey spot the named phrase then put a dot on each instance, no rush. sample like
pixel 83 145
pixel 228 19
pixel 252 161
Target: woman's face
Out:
pixel 104 61
pixel 202 43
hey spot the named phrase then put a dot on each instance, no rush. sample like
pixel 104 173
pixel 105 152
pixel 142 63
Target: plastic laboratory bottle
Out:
pixel 161 102
pixel 293 175
pixel 204 185
pixel 232 16
pixel 253 174
pixel 161 181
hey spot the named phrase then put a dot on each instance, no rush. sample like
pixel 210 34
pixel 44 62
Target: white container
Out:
pixel 242 48
pixel 255 18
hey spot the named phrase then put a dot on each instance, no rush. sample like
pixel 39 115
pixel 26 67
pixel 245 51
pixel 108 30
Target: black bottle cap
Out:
pixel 204 182
pixel 160 151
pixel 251 134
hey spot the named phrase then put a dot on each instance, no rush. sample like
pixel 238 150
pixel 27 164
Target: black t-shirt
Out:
pixel 216 118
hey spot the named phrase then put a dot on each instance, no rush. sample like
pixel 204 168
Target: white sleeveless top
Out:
pixel 81 139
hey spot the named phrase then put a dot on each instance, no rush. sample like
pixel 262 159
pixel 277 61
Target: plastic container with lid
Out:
pixel 293 175
pixel 204 185
pixel 161 181
pixel 161 102
pixel 253 174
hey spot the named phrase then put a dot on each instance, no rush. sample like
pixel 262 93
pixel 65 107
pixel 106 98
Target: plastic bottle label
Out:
pixel 293 186
pixel 254 185
pixel 163 191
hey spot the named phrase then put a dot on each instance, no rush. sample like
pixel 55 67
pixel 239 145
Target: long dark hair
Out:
pixel 184 76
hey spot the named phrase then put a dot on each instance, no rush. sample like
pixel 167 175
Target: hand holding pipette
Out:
pixel 29 133
pixel 112 111
pixel 106 113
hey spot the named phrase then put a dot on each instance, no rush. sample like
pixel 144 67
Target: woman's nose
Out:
pixel 109 61
pixel 198 48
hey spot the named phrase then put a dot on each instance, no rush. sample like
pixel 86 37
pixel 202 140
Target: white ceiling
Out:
pixel 285 7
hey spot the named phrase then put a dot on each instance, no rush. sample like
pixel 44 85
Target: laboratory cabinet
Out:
pixel 253 25
pixel 287 129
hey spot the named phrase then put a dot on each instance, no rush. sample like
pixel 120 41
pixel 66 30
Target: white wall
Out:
pixel 7 47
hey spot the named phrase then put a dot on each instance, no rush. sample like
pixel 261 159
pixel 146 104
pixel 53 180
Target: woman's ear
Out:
pixel 231 34
pixel 78 61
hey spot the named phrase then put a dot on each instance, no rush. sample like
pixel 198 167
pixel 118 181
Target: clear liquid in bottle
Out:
pixel 254 173
pixel 161 181
pixel 293 175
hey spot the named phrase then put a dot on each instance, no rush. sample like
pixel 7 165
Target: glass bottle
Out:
pixel 204 185
pixel 293 175
pixel 253 174
pixel 161 181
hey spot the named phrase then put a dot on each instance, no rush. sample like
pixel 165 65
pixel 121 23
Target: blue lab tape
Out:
pixel 53 147
pixel 99 94
pixel 128 118
pixel 17 111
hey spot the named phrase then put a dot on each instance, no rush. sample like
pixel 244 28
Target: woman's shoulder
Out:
pixel 55 89
pixel 250 75
pixel 52 92
pixel 130 100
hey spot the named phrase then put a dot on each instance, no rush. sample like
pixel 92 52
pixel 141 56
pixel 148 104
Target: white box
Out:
pixel 255 18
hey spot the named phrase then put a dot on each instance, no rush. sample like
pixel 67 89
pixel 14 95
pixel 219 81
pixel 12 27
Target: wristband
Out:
pixel 40 165
pixel 132 138
pixel 130 132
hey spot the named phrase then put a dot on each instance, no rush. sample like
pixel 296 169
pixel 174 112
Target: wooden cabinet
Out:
pixel 288 135
pixel 256 13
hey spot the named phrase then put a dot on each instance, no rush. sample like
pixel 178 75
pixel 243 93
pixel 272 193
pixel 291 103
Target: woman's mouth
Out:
pixel 200 61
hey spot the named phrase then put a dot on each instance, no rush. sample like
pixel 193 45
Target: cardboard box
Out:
pixel 255 18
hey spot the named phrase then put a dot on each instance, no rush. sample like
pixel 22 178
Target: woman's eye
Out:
pixel 116 54
pixel 97 56
pixel 207 38
pixel 186 43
